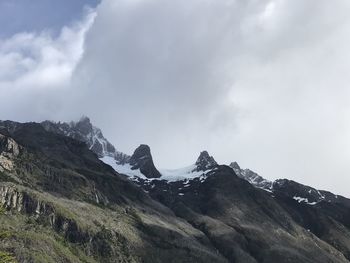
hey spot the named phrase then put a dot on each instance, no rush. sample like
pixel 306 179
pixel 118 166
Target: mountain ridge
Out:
pixel 122 158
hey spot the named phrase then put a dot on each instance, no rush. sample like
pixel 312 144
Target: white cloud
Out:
pixel 40 60
pixel 37 67
pixel 263 82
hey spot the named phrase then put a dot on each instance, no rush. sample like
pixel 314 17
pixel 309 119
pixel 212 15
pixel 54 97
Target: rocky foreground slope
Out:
pixel 61 203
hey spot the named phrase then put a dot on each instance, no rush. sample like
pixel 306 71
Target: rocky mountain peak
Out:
pixel 84 131
pixel 205 162
pixel 142 159
pixel 142 152
pixel 251 176
pixel 235 166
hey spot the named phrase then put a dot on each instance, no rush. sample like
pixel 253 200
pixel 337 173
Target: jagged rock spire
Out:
pixel 84 131
pixel 235 166
pixel 142 159
pixel 205 162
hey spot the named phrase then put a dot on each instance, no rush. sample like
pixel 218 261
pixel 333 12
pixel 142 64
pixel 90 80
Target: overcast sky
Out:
pixel 261 82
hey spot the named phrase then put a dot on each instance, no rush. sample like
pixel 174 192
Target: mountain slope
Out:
pixel 61 203
pixel 57 187
pixel 244 223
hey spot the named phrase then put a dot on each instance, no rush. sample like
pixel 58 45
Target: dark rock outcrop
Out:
pixel 142 159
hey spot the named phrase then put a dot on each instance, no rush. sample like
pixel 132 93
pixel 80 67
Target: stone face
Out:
pixel 9 149
pixel 10 198
pixel 142 159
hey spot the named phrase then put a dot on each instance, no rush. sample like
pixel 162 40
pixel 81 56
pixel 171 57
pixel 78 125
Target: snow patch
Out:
pixel 253 178
pixel 303 200
pixel 184 174
pixel 123 168
pixel 266 189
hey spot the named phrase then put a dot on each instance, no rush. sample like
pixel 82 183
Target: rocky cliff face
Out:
pixel 10 198
pixel 9 150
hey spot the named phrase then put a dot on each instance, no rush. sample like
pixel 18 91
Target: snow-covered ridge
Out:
pixel 185 173
pixel 298 192
pixel 141 166
pixel 173 175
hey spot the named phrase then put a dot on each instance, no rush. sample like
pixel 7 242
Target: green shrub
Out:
pixel 7 258
pixel 2 210
pixel 5 234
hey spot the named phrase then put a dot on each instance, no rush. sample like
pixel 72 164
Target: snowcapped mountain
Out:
pixel 84 131
pixel 140 168
pixel 305 194
pixel 252 177
pixel 138 165
pixel 300 193
pixel 205 162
